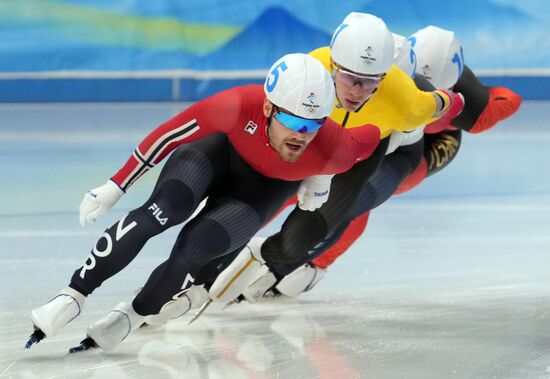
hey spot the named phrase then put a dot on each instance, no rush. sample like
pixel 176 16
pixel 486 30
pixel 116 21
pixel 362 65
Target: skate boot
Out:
pixel 58 312
pixel 247 267
pixel 112 329
pixel 192 299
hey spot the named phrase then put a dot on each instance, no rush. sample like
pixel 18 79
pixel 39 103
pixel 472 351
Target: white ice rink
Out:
pixel 450 280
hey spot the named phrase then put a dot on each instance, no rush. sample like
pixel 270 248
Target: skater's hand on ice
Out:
pixel 313 192
pixel 98 201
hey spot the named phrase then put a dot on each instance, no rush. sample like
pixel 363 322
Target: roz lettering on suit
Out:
pixel 121 231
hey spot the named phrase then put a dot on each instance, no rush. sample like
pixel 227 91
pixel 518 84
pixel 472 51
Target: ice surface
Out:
pixel 450 280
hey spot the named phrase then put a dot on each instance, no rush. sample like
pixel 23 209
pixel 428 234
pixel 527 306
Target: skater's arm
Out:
pixel 214 114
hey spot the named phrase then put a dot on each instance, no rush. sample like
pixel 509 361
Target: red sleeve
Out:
pixel 218 113
pixel 444 122
pixel 367 139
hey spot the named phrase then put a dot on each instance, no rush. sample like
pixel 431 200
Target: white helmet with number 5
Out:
pixel 301 84
pixel 439 55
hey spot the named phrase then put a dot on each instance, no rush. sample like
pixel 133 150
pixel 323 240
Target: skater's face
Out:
pixel 289 135
pixel 352 90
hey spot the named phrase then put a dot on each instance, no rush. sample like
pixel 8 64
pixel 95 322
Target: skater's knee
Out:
pixel 202 241
pixel 171 203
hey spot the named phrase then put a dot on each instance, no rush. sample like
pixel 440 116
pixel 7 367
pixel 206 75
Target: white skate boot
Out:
pixel 54 315
pixel 247 267
pixel 192 299
pixel 112 329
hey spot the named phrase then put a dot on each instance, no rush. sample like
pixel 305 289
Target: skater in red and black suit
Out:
pixel 246 149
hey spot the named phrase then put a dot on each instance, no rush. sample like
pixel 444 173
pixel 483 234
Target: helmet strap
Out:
pixel 268 123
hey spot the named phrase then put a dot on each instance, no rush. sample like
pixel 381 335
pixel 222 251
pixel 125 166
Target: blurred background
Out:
pixel 130 50
pixel 451 280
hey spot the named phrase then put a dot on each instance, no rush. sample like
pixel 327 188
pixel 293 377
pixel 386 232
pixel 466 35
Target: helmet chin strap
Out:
pixel 333 76
pixel 268 124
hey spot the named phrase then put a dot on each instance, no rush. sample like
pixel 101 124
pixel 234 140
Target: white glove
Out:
pixel 398 138
pixel 98 201
pixel 313 192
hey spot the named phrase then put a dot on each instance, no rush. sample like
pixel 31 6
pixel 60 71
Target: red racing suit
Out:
pixel 238 112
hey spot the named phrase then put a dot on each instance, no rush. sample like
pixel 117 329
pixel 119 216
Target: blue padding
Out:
pixel 529 87
pixel 85 90
pixel 107 90
pixel 193 90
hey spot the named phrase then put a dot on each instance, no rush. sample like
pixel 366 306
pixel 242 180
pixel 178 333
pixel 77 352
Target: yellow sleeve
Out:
pixel 416 106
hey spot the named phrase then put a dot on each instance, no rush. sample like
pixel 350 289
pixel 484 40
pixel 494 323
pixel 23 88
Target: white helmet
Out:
pixel 403 55
pixel 362 44
pixel 301 84
pixel 439 55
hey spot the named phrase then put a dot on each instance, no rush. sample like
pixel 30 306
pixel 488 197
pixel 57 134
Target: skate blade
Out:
pixel 37 336
pixel 85 345
pixel 229 304
pixel 200 311
pixel 232 302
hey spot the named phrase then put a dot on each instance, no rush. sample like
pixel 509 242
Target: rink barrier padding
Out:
pixel 38 90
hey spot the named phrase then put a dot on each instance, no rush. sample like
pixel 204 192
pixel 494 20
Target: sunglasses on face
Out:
pixel 350 79
pixel 298 124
